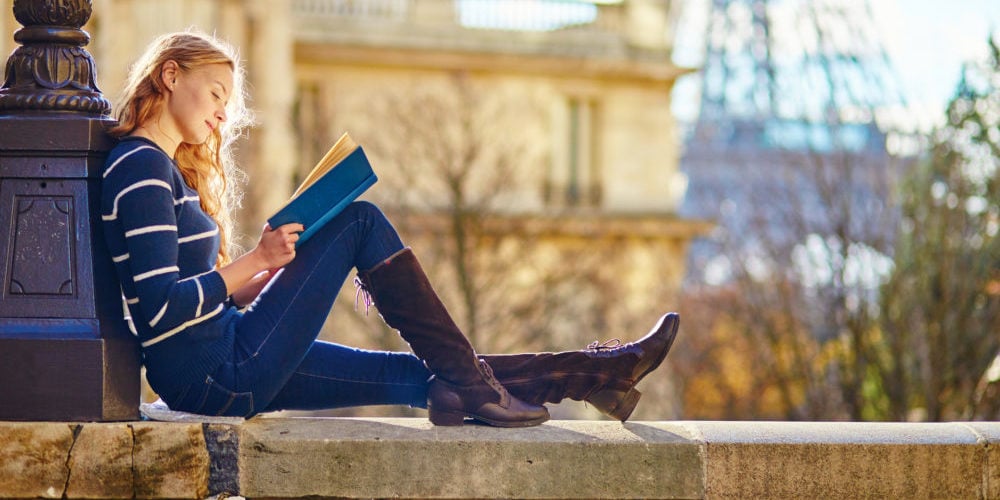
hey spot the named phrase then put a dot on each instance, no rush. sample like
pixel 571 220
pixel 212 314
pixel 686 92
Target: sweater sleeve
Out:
pixel 138 200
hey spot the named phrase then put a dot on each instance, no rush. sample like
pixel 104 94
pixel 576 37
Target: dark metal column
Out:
pixel 65 353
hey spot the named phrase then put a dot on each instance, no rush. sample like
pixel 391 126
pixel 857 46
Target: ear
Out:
pixel 168 74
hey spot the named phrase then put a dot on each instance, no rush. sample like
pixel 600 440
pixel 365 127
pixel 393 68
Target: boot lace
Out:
pixel 495 384
pixel 604 346
pixel 361 293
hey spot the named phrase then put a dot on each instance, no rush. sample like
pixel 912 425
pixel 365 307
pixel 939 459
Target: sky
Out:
pixel 927 42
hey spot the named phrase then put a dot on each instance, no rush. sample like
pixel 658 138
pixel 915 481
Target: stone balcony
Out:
pixel 270 457
pixel 556 28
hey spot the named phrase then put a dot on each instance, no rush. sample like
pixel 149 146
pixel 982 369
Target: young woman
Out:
pixel 236 337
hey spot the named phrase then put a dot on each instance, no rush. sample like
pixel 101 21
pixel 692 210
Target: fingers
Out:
pixel 290 235
pixel 287 234
pixel 293 227
pixel 279 244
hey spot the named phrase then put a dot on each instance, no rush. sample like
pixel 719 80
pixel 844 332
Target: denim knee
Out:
pixel 381 239
pixel 367 211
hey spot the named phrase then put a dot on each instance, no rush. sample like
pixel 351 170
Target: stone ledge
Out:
pixel 270 457
pixel 411 458
pixel 849 460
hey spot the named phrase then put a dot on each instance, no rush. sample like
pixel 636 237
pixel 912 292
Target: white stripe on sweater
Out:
pixel 155 272
pixel 119 258
pixel 159 315
pixel 175 331
pixel 132 187
pixel 201 292
pixel 122 157
pixel 126 313
pixel 150 229
pixel 201 298
pixel 196 276
pixel 181 201
pixel 199 236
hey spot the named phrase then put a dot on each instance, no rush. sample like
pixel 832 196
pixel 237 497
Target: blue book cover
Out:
pixel 333 184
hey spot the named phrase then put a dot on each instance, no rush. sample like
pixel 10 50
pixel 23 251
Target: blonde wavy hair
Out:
pixel 209 167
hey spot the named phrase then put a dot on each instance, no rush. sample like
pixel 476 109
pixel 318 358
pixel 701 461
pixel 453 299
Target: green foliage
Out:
pixel 941 308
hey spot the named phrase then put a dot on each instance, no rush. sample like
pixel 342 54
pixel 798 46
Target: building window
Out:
pixel 574 178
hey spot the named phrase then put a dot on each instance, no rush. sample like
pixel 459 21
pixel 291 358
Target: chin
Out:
pixel 197 141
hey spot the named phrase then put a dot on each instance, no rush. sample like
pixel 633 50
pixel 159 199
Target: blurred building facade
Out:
pixel 579 110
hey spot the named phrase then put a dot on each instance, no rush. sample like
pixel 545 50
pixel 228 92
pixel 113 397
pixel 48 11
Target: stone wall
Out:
pixel 410 458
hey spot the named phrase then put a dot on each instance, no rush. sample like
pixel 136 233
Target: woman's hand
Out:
pixel 245 277
pixel 276 247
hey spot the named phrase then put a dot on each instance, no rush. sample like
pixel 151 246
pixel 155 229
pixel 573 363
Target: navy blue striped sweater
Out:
pixel 165 248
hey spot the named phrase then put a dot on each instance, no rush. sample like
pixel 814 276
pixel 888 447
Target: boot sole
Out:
pixel 616 404
pixel 624 411
pixel 453 419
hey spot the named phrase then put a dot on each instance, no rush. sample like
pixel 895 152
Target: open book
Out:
pixel 337 180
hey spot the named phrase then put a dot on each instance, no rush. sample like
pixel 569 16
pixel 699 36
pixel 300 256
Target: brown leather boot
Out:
pixel 462 385
pixel 603 375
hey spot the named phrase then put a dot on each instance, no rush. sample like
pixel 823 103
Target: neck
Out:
pixel 161 138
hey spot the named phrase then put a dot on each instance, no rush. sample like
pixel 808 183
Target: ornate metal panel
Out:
pixel 42 222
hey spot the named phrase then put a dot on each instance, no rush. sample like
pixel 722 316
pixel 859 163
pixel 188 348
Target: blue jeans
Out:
pixel 278 363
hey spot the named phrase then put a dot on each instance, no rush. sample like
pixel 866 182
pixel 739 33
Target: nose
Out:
pixel 220 114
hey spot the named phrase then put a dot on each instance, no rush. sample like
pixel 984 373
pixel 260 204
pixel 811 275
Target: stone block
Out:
pixel 411 458
pixel 223 443
pixel 989 436
pixel 841 460
pixel 171 460
pixel 100 464
pixel 33 459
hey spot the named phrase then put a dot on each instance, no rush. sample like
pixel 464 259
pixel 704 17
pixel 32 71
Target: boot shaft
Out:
pixel 552 377
pixel 407 302
pixel 462 385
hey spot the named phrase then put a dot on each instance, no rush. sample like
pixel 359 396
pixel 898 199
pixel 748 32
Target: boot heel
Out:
pixel 445 418
pixel 614 403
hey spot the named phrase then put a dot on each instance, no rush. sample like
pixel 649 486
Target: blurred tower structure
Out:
pixel 793 74
pixel 786 85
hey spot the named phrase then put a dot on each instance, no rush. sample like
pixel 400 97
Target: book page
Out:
pixel 340 150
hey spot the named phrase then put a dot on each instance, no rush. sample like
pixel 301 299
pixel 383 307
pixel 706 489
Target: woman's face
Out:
pixel 197 104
